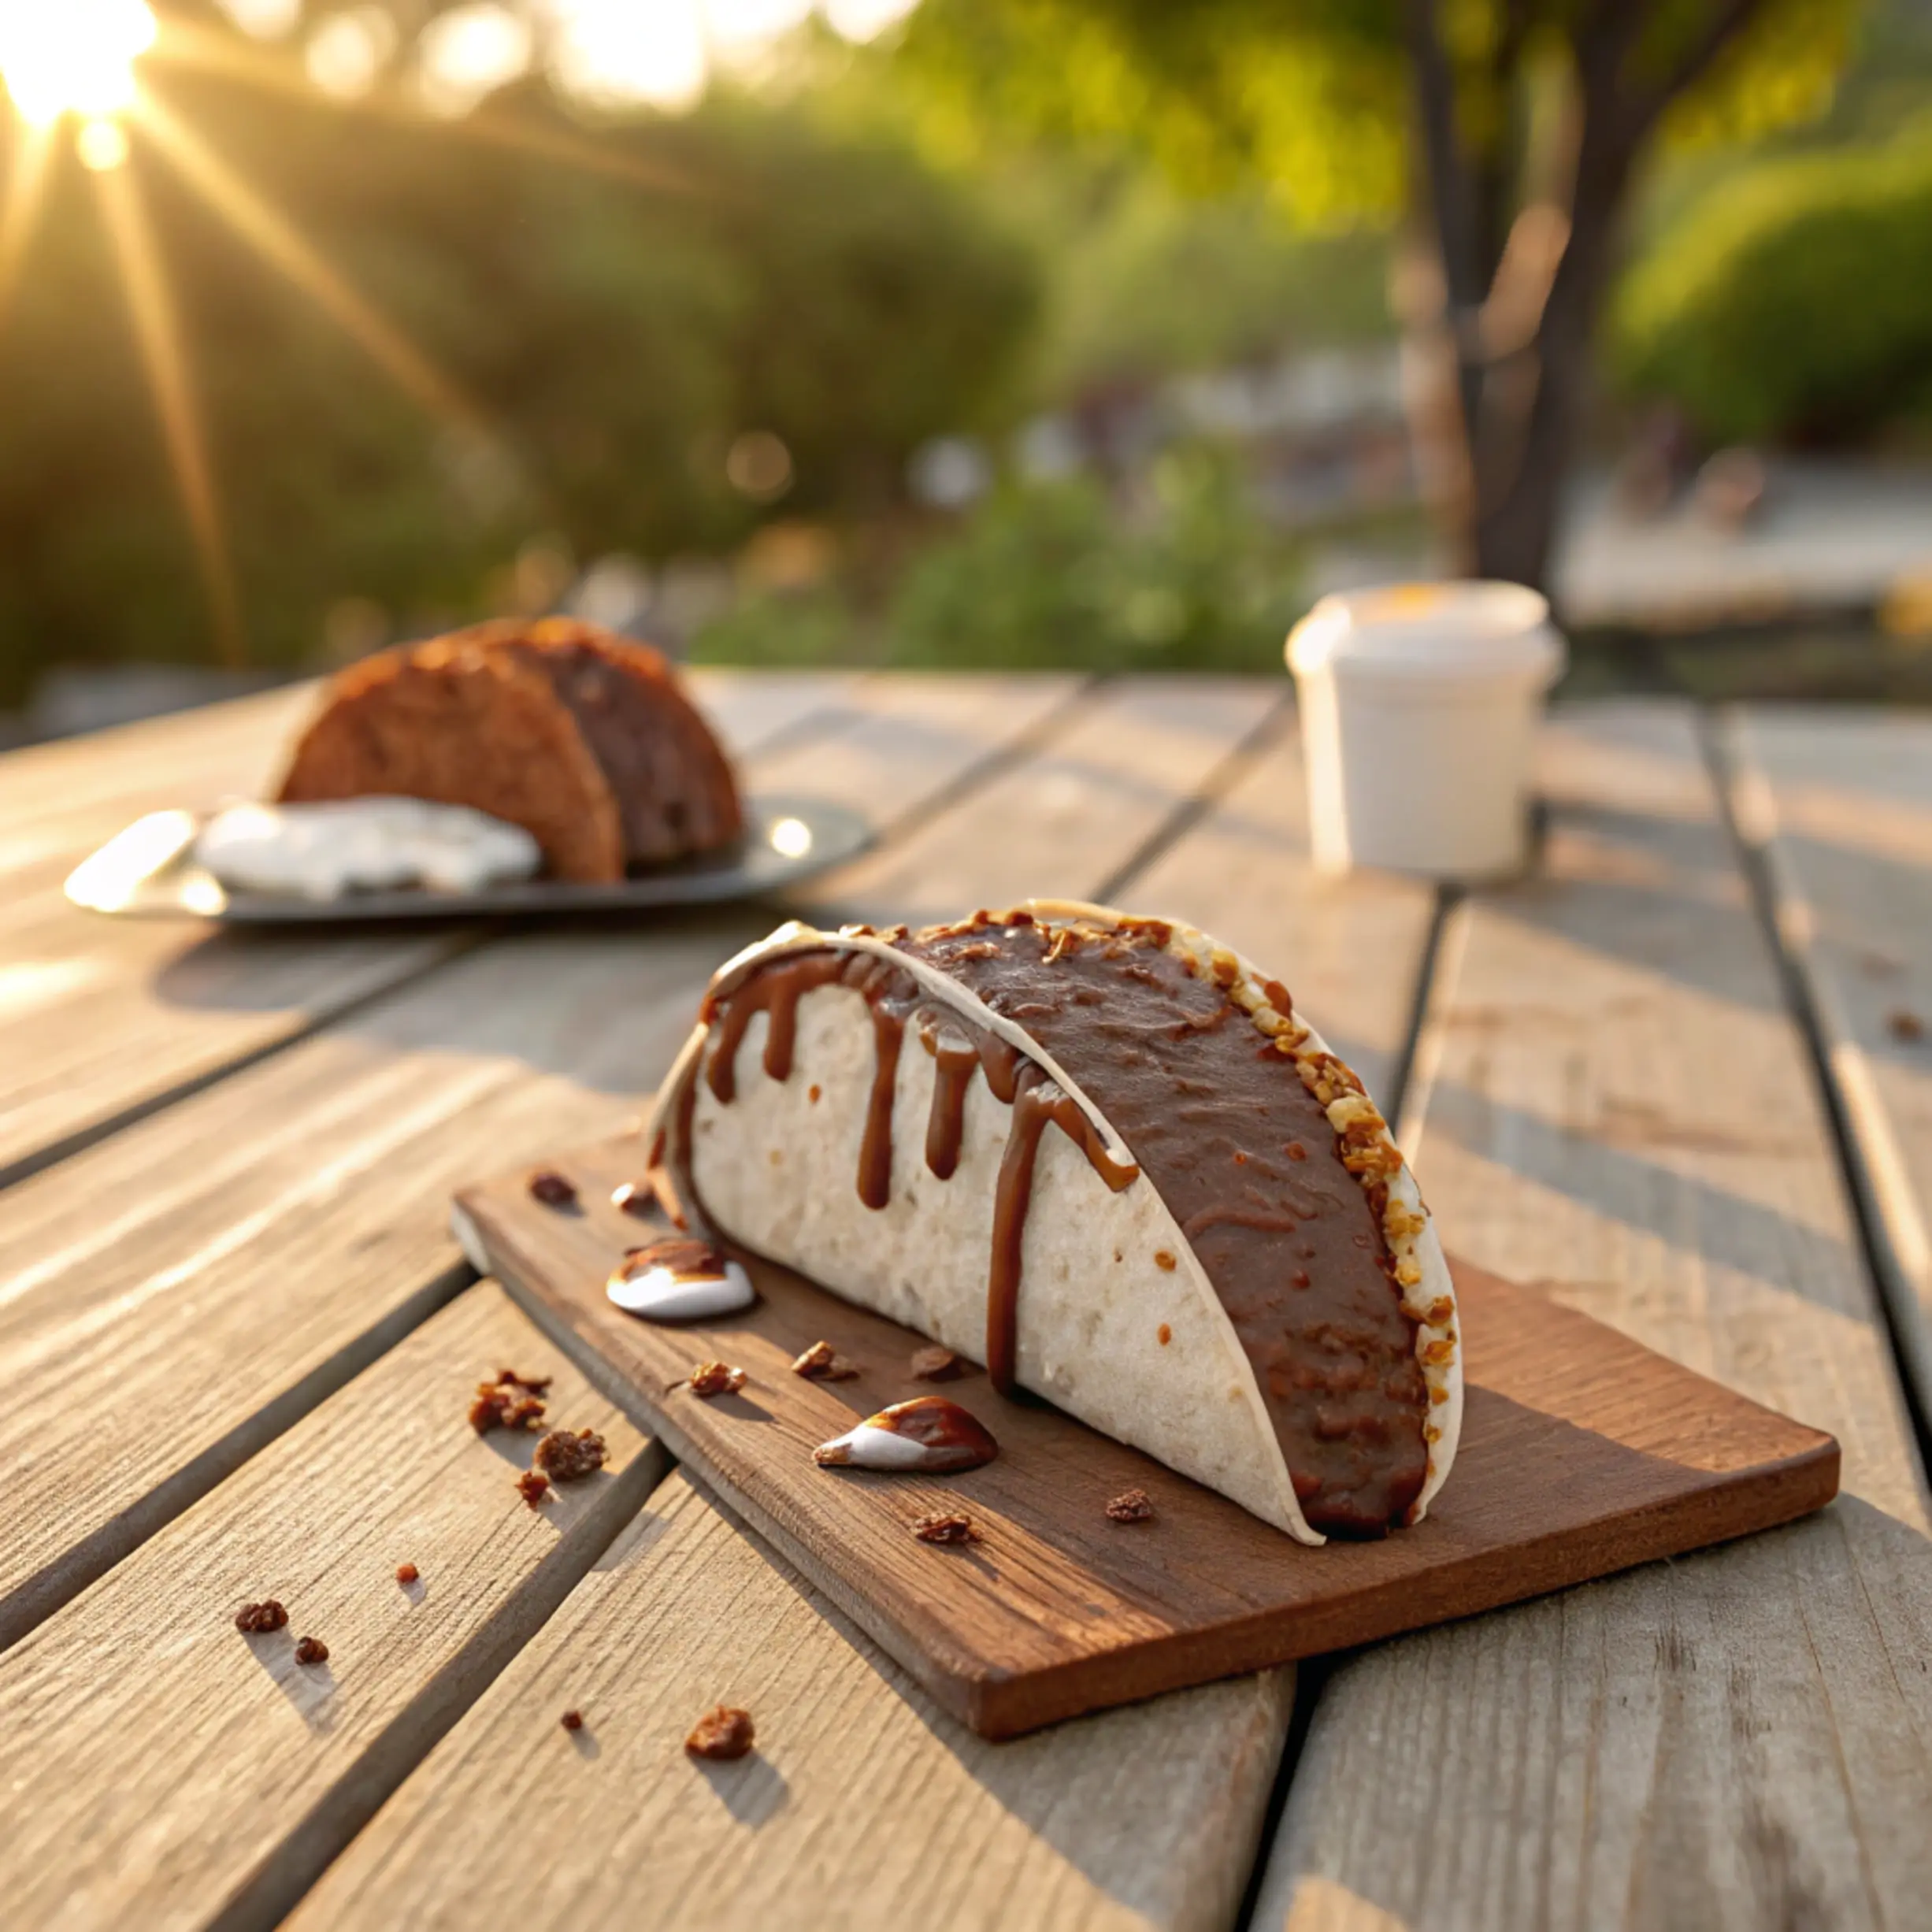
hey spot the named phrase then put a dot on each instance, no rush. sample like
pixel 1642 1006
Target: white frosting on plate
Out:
pixel 330 848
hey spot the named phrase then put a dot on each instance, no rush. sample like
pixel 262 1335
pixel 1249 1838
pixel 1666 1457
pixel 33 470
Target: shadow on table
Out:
pixel 1624 1185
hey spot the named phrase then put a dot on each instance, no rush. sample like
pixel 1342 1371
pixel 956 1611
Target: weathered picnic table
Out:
pixel 1675 1079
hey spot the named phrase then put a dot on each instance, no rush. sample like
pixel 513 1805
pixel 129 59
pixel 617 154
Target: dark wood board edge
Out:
pixel 998 1703
pixel 1002 1707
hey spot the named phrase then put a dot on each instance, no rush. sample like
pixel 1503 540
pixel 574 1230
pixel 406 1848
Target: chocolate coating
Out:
pixel 1209 1108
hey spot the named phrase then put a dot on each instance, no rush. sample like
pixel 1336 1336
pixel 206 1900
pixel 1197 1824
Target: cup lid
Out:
pixel 1448 630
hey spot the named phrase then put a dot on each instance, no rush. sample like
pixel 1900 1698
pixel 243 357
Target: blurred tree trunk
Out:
pixel 1502 329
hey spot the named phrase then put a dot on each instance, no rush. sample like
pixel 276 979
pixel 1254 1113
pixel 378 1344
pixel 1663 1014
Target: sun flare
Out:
pixel 59 56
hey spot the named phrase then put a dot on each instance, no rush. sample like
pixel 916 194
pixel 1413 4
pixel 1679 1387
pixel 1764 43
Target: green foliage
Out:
pixel 614 327
pixel 1789 302
pixel 1054 575
pixel 1144 282
pixel 1312 97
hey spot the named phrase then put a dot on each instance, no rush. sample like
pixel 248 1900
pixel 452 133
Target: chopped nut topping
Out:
pixel 552 1189
pixel 1131 1506
pixel 714 1378
pixel 311 1650
pixel 565 1458
pixel 407 1572
pixel 573 1720
pixel 1165 1261
pixel 819 1363
pixel 946 1527
pixel 257 1618
pixel 938 1365
pixel 533 1485
pixel 722 1733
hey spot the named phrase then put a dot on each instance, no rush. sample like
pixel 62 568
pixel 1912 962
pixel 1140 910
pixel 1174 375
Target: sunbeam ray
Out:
pixel 279 244
pixel 157 332
pixel 20 212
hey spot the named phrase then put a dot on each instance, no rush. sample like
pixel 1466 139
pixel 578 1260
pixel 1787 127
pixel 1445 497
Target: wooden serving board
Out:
pixel 1581 1453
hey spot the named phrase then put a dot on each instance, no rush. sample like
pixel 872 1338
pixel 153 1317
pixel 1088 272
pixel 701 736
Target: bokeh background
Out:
pixel 1107 333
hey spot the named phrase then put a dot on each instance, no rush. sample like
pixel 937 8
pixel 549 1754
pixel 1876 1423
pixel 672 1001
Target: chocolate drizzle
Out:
pixel 1039 1102
pixel 958 1051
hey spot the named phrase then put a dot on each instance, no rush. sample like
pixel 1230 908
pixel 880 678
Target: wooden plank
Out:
pixel 865 1806
pixel 135 1312
pixel 1619 1107
pixel 1061 822
pixel 1838 806
pixel 1581 1453
pixel 109 1018
pixel 162 1770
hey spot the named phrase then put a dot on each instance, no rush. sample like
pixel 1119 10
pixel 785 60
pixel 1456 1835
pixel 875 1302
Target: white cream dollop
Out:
pixel 331 847
pixel 870 1447
pixel 665 1295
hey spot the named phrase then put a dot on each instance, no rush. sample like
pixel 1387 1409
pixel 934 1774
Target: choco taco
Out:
pixel 1106 1156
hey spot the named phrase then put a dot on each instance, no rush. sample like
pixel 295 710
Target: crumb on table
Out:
pixel 936 1365
pixel 722 1733
pixel 1131 1506
pixel 946 1527
pixel 821 1363
pixel 714 1378
pixel 573 1720
pixel 311 1650
pixel 566 1458
pixel 533 1485
pixel 511 1401
pixel 255 1618
pixel 407 1572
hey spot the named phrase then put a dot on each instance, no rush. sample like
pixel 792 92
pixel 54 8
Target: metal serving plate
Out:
pixel 148 871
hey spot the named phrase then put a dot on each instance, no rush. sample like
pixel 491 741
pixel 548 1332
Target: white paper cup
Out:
pixel 1419 704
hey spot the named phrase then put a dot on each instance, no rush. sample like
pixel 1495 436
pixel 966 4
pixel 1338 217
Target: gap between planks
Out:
pixel 1891 1229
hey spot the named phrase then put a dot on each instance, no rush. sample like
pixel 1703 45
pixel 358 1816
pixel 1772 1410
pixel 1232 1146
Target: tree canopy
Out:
pixel 1511 131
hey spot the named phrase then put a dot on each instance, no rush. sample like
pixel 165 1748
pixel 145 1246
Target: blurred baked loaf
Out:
pixel 580 736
